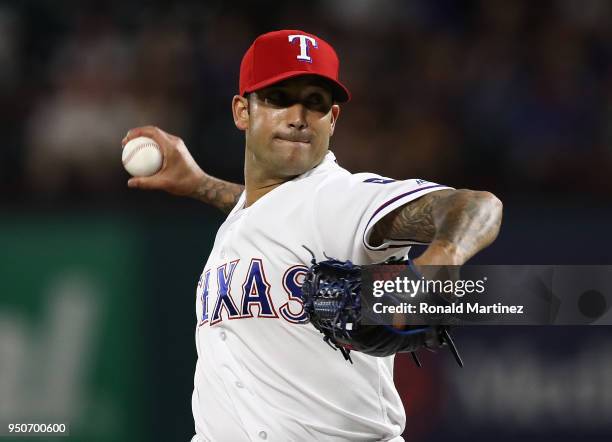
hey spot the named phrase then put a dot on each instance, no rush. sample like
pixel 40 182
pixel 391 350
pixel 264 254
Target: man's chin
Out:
pixel 292 171
pixel 294 166
pixel 290 159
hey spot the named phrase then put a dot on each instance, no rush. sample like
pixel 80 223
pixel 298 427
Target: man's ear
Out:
pixel 240 111
pixel 335 113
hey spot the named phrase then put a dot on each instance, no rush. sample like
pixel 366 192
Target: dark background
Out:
pixel 98 281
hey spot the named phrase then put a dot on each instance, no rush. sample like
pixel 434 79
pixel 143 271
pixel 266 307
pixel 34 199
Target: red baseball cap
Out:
pixel 280 55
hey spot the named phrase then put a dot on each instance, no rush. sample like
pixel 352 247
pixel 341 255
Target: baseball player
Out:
pixel 263 372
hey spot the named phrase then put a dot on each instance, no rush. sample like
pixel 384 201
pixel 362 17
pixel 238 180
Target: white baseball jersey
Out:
pixel 263 373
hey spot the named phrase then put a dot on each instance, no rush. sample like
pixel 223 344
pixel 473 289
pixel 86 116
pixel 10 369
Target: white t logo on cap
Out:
pixel 304 39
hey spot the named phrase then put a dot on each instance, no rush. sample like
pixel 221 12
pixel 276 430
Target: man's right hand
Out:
pixel 179 174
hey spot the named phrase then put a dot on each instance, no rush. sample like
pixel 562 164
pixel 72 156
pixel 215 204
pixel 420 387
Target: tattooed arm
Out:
pixel 221 194
pixel 457 224
pixel 180 174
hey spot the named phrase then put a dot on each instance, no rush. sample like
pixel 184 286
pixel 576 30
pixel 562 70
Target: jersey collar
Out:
pixel 329 163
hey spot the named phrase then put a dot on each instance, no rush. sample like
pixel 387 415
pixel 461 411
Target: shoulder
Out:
pixel 373 184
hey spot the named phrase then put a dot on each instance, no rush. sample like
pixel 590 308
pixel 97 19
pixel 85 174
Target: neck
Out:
pixel 257 182
pixel 255 190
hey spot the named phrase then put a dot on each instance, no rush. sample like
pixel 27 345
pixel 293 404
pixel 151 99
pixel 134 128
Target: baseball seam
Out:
pixel 138 149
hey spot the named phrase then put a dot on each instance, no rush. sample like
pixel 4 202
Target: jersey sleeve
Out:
pixel 347 208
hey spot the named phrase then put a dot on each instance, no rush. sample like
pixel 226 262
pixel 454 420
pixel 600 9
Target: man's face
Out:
pixel 287 126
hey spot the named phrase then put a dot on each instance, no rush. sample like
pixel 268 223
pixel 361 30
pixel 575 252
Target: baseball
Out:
pixel 142 156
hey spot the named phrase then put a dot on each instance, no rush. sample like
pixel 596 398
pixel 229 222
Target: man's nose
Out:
pixel 297 116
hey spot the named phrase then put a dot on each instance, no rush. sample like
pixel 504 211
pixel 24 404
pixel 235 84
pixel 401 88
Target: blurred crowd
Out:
pixel 510 96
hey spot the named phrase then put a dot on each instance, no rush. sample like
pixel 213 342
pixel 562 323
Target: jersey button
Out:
pixel 239 384
pixel 263 435
pixel 223 335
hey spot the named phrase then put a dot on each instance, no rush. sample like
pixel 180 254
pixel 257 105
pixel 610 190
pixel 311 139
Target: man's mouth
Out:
pixel 294 138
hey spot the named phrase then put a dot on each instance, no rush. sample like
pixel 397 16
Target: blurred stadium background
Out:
pixel 97 292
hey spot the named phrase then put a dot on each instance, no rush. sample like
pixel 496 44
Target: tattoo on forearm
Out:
pixel 221 194
pixel 467 219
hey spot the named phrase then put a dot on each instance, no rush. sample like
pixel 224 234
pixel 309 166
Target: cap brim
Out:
pixel 340 93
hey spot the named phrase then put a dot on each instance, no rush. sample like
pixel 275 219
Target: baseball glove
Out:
pixel 332 299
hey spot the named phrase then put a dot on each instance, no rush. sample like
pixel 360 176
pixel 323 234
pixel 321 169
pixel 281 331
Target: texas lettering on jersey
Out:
pixel 255 292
